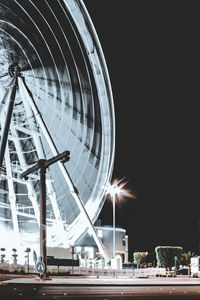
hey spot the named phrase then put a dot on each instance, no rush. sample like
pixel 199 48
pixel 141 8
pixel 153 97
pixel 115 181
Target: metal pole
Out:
pixel 28 262
pixel 114 225
pixel 175 262
pixel 72 260
pixel 43 250
pixel 4 136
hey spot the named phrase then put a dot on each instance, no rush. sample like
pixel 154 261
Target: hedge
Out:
pixel 165 256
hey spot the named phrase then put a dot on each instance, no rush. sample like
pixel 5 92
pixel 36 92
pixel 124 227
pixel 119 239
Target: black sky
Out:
pixel 152 53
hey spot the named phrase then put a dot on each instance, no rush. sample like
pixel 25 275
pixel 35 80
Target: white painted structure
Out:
pixel 64 102
pixel 195 264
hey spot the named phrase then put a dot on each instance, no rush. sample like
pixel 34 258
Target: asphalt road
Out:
pixel 101 290
pixel 101 293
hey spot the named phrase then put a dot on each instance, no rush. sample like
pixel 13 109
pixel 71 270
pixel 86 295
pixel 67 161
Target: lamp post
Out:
pixel 114 235
pixel 175 265
pixel 117 190
pixel 114 190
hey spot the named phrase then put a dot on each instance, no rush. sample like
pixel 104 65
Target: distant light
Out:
pixel 117 188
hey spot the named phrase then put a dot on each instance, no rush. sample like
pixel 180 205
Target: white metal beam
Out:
pixel 12 200
pixel 31 192
pixel 41 155
pixel 5 99
pixel 23 91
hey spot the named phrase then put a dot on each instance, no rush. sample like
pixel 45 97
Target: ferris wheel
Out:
pixel 55 96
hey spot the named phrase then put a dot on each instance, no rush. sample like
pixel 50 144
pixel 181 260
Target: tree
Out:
pixel 151 258
pixel 139 257
pixel 14 255
pixel 186 256
pixel 185 259
pixel 28 250
pixel 3 255
pixel 166 255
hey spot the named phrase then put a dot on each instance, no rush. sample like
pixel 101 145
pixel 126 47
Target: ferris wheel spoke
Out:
pixel 5 98
pixel 6 125
pixel 12 199
pixel 22 161
pixel 41 155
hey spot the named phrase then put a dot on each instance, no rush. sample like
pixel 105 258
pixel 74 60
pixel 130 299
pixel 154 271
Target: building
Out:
pixel 86 245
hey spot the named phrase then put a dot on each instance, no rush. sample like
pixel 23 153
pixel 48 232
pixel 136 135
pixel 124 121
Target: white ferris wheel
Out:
pixel 55 96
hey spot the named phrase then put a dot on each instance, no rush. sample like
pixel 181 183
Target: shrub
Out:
pixel 165 256
pixel 22 271
pixel 139 257
pixel 4 271
pixel 60 273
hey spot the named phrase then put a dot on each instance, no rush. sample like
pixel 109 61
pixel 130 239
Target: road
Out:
pixel 101 289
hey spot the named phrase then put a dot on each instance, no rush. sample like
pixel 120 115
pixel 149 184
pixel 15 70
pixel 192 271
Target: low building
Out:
pixel 87 246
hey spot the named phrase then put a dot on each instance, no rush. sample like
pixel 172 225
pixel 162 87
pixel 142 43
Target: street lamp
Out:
pixel 175 265
pixel 117 189
pixel 113 190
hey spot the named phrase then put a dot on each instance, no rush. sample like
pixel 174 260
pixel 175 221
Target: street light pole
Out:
pixel 175 267
pixel 113 190
pixel 116 190
pixel 114 236
pixel 43 250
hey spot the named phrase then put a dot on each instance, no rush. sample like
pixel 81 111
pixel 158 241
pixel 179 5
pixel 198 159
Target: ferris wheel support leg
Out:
pixel 31 192
pixel 4 100
pixel 41 155
pixel 6 128
pixel 73 190
pixel 12 199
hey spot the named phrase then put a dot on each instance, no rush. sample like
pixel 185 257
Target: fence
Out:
pixel 136 273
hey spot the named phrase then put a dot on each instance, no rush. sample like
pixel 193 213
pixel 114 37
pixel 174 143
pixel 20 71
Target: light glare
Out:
pixel 117 188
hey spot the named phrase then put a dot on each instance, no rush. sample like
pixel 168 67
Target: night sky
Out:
pixel 152 53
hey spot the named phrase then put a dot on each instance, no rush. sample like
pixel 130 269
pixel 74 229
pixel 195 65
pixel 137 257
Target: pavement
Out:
pixel 109 281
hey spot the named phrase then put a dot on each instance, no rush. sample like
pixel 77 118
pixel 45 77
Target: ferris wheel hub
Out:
pixel 14 70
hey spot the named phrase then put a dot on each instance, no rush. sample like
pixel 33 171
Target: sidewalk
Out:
pixel 80 281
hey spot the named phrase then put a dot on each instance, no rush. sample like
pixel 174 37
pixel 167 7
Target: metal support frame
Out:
pixel 12 199
pixel 43 238
pixel 41 155
pixel 114 234
pixel 4 100
pixel 42 165
pixel 4 136
pixel 27 97
pixel 31 192
pixel 73 190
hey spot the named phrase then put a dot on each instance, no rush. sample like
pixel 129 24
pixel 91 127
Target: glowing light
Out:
pixel 117 188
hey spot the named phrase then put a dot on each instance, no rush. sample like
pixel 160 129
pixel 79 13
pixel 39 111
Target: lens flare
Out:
pixel 119 188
